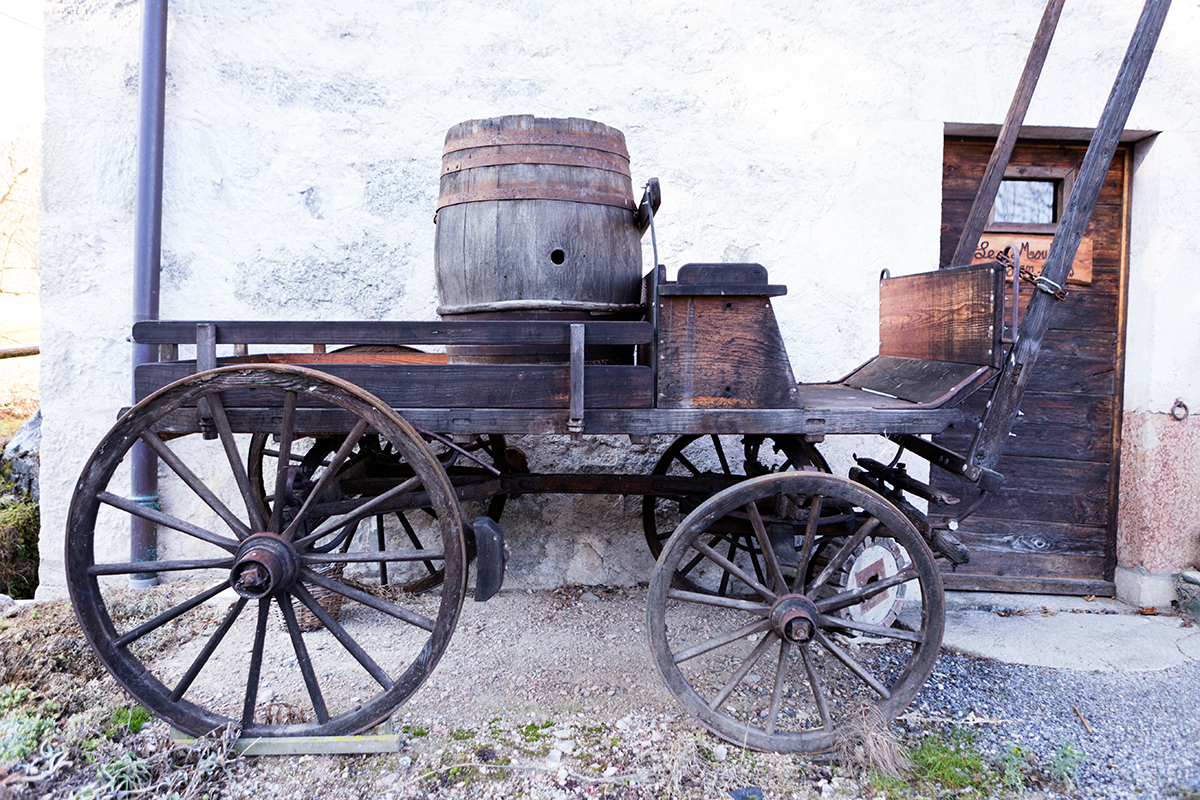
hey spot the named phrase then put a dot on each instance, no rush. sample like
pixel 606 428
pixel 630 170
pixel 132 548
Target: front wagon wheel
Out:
pixel 273 621
pixel 847 618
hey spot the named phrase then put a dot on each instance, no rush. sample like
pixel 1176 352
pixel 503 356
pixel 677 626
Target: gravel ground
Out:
pixel 553 694
pixel 1144 740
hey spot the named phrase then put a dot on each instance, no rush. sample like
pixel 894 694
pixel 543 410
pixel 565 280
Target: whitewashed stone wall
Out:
pixel 303 143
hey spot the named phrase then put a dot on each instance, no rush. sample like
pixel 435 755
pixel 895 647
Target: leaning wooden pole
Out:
pixel 985 198
pixel 1002 412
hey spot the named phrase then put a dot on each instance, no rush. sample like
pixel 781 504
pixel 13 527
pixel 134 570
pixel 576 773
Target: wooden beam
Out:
pixel 986 196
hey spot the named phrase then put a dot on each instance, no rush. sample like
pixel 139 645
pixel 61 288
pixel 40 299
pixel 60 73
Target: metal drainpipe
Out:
pixel 147 254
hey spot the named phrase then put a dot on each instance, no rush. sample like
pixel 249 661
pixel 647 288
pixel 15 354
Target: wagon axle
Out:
pixel 265 564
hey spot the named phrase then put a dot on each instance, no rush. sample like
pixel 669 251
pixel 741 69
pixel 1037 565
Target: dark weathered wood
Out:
pixel 917 380
pixel 965 582
pixel 648 207
pixel 524 218
pixel 445 332
pixel 488 386
pixel 722 352
pixel 946 315
pixel 863 418
pixel 1014 377
pixel 1074 426
pixel 19 352
pixel 994 173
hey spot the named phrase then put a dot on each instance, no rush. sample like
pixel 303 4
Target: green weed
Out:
pixel 1064 767
pixel 122 721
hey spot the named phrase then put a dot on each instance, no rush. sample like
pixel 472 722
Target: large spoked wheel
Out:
pixel 714 459
pixel 850 614
pixel 267 621
pixel 373 467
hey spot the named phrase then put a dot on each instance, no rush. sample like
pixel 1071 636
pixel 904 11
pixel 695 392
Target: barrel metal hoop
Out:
pixel 511 155
pixel 587 139
pixel 578 193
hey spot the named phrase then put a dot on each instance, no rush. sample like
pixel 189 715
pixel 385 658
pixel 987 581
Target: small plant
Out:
pixel 1064 767
pixel 20 522
pixel 938 762
pixel 414 732
pixel 461 734
pixel 122 721
pixel 1015 764
pixel 535 731
pixel 126 774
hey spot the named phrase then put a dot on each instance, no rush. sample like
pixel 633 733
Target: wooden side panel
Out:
pixel 1052 526
pixel 722 352
pixel 949 315
pixel 476 386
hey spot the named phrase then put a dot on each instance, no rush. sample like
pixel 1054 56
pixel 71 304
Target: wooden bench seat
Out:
pixel 940 338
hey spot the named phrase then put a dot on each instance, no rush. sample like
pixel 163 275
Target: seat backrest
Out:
pixel 954 315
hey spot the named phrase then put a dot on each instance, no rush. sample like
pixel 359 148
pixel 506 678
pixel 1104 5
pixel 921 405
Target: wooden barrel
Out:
pixel 535 219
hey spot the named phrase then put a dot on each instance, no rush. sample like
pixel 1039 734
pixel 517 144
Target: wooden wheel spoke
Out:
pixel 688 465
pixel 381 544
pixel 716 440
pixel 254 674
pixel 229 444
pixel 810 537
pixel 764 542
pixel 777 692
pixel 340 633
pixel 842 554
pixel 286 430
pixel 742 671
pixel 758 626
pixel 875 630
pixel 360 427
pixel 377 557
pixel 721 602
pixel 194 483
pixel 303 660
pixel 166 520
pixel 130 567
pixel 369 600
pixel 852 665
pixel 852 598
pixel 818 695
pixel 734 570
pixel 353 517
pixel 170 614
pixel 412 537
pixel 205 654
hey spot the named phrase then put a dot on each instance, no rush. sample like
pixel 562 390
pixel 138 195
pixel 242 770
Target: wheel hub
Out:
pixel 266 563
pixel 795 618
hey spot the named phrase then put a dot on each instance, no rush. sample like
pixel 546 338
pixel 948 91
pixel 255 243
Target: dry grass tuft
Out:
pixel 864 742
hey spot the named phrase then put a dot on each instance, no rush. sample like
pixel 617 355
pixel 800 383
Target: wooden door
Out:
pixel 1053 526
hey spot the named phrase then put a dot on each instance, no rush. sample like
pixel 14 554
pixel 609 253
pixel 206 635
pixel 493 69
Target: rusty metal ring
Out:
pixel 1179 411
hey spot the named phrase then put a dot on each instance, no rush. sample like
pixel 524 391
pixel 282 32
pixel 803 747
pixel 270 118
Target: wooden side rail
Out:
pixel 493 332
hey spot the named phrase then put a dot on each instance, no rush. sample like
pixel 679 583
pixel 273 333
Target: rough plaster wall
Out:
pixel 303 145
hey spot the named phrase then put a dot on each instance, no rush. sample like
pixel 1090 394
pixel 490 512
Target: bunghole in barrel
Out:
pixel 535 220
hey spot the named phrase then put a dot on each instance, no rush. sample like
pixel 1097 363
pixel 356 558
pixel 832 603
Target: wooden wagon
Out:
pixel 320 493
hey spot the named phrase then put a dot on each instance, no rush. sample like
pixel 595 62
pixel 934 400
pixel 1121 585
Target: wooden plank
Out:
pixel 1003 535
pixel 1076 427
pixel 497 332
pixel 1007 140
pixel 642 422
pixel 722 352
pixel 1034 565
pixel 964 581
pixel 930 383
pixel 488 386
pixel 946 315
